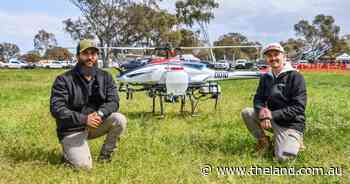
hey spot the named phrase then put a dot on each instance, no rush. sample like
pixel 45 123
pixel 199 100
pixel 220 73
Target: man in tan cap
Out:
pixel 279 104
pixel 85 104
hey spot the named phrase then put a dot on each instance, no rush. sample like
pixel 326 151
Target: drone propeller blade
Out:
pixel 222 47
pixel 128 48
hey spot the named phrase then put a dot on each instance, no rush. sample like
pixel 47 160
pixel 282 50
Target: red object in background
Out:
pixel 172 52
pixel 319 67
pixel 322 67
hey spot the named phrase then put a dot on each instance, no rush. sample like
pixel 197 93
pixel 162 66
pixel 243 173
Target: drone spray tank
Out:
pixel 176 81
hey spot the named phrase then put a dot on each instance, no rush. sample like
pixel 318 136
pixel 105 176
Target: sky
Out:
pixel 260 20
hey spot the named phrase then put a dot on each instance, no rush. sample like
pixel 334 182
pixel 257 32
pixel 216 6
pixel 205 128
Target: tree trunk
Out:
pixel 104 52
pixel 107 55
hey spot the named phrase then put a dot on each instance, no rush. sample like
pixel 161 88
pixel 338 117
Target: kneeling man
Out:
pixel 279 104
pixel 84 102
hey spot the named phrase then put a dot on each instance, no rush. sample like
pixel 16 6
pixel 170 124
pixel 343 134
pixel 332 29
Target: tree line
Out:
pixel 45 47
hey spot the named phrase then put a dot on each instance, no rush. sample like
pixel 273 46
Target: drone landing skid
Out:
pixel 194 93
pixel 162 99
pixel 194 101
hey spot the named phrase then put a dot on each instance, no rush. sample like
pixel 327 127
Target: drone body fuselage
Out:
pixel 197 73
pixel 178 79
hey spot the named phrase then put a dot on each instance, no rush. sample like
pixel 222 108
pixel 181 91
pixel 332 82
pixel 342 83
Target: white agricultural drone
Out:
pixel 177 80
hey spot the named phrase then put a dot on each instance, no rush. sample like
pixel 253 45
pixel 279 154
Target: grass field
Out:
pixel 170 150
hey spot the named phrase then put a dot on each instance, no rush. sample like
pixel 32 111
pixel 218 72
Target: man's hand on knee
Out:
pixel 93 120
pixel 265 117
pixel 265 113
pixel 265 124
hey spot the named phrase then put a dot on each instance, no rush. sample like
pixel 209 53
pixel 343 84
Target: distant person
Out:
pixel 279 103
pixel 85 104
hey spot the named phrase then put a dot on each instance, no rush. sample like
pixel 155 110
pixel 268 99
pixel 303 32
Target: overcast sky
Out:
pixel 259 20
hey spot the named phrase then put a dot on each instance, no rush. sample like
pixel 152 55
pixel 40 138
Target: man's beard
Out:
pixel 86 71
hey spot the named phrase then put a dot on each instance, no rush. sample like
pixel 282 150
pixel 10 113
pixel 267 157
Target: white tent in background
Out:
pixel 343 57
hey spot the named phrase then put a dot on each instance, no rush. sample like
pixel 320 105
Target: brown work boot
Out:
pixel 263 145
pixel 105 156
pixel 302 145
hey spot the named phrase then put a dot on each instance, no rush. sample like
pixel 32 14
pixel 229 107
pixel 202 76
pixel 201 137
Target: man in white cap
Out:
pixel 279 104
pixel 85 104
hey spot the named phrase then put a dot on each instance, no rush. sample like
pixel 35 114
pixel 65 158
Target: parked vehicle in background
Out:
pixel 43 63
pixel 241 64
pixel 55 65
pixel 303 62
pixel 114 64
pixel 188 57
pixel 30 66
pixel 72 63
pixel 250 65
pixel 100 63
pixel 38 65
pixel 14 63
pixel 64 64
pixel 209 64
pixel 2 64
pixel 261 64
pixel 68 64
pixel 222 65
pixel 134 64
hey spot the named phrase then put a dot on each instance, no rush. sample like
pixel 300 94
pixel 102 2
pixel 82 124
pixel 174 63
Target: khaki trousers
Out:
pixel 75 146
pixel 287 141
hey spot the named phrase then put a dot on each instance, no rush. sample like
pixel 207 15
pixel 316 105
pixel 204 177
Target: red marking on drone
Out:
pixel 175 68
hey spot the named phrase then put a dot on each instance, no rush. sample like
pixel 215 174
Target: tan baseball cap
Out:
pixel 272 46
pixel 86 44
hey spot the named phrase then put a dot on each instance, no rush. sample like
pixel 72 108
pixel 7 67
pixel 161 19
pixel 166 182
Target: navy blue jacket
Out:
pixel 285 95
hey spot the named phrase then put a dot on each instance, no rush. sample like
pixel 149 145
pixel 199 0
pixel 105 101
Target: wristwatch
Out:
pixel 100 113
pixel 261 119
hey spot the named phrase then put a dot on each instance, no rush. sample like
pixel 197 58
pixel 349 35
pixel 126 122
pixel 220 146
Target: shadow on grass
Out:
pixel 242 147
pixel 139 115
pixel 146 116
pixel 228 145
pixel 33 154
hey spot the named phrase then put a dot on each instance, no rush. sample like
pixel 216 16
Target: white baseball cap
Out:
pixel 272 46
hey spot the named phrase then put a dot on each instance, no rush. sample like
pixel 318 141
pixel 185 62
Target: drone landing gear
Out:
pixel 194 94
pixel 194 104
pixel 216 96
pixel 161 104
pixel 183 103
pixel 153 104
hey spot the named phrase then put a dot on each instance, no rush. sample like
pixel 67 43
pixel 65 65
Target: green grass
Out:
pixel 173 149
